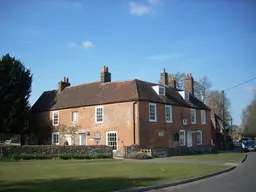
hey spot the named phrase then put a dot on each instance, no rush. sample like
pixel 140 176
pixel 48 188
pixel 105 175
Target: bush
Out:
pixel 51 151
pixel 138 155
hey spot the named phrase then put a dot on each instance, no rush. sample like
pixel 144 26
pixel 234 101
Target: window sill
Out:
pixel 55 124
pixel 99 122
pixel 169 121
pixel 152 120
pixel 193 123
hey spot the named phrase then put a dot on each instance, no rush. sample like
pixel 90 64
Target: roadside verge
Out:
pixel 141 189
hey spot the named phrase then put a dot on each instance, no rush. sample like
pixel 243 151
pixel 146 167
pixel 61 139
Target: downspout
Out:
pixel 134 124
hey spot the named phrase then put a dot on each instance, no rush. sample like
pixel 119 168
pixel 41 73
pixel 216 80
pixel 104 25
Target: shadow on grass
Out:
pixel 77 185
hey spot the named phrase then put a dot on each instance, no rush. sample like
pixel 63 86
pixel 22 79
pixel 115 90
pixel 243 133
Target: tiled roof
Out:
pixel 99 93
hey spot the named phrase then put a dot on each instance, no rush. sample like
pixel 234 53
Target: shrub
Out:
pixel 28 152
pixel 138 155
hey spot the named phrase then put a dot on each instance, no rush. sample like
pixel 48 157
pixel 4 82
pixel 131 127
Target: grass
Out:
pixel 51 161
pixel 214 157
pixel 96 177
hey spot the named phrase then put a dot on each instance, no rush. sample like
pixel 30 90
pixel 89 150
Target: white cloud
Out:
pixel 153 2
pixel 142 9
pixel 60 4
pixel 87 44
pixel 165 57
pixel 139 9
pixel 72 44
pixel 251 89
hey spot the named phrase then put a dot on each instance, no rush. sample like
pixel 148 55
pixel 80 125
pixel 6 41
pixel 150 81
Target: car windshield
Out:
pixel 250 142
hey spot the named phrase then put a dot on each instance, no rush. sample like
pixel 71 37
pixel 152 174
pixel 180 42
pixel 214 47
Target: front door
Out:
pixel 189 139
pixel 82 139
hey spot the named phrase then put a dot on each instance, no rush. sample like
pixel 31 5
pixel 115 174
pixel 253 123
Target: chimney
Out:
pixel 172 82
pixel 105 76
pixel 63 84
pixel 164 77
pixel 189 84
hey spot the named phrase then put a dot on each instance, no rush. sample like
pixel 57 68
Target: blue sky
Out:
pixel 136 39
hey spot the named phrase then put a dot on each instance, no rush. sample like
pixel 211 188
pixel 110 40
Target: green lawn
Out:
pixel 42 162
pixel 96 177
pixel 213 157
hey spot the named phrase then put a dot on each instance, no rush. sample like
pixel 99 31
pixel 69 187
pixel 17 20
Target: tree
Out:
pixel 201 86
pixel 180 80
pixel 249 120
pixel 217 98
pixel 201 89
pixel 15 90
pixel 67 130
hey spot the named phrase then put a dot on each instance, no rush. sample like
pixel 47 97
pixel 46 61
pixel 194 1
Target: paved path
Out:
pixel 243 178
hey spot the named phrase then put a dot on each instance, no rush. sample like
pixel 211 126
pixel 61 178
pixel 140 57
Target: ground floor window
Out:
pixel 182 137
pixel 112 140
pixel 55 138
pixel 199 138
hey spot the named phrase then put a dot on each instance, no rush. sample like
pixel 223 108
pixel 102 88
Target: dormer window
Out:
pixel 160 90
pixel 184 94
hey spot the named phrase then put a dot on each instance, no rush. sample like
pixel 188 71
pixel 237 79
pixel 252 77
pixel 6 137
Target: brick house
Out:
pixel 123 113
pixel 217 125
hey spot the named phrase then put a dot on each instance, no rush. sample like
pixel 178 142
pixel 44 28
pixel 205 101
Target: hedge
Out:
pixel 28 152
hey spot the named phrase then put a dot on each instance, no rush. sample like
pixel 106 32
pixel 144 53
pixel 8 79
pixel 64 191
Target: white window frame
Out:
pixel 186 96
pixel 74 121
pixel 170 107
pixel 116 139
pixel 160 133
pixel 182 131
pixel 55 112
pixel 96 119
pixel 55 133
pixel 201 135
pixel 203 117
pixel 163 88
pixel 155 119
pixel 191 112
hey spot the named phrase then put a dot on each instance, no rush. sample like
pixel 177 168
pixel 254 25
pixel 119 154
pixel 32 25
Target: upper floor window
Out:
pixel 152 112
pixel 168 114
pixel 160 90
pixel 193 116
pixel 55 118
pixel 99 114
pixel 74 116
pixel 203 117
pixel 186 95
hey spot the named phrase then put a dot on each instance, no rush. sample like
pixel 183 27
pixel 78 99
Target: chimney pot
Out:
pixel 105 76
pixel 189 83
pixel 164 77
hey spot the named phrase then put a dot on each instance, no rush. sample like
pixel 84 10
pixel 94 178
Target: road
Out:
pixel 243 178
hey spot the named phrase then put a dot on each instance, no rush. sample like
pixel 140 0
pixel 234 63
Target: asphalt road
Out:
pixel 243 178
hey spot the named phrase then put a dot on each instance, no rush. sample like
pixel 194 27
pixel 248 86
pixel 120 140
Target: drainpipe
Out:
pixel 134 125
